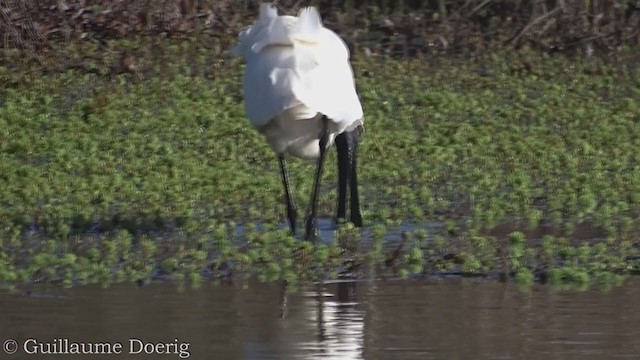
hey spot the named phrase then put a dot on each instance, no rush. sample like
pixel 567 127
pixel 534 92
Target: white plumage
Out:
pixel 297 69
pixel 300 93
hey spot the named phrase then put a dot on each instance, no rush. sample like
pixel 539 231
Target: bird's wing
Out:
pixel 329 87
pixel 297 61
pixel 248 37
pixel 270 85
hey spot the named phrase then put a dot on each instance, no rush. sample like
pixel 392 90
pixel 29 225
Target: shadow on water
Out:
pixel 462 319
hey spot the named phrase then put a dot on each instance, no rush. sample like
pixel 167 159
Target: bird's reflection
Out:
pixel 338 320
pixel 284 299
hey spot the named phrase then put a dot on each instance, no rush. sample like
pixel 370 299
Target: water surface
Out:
pixel 452 318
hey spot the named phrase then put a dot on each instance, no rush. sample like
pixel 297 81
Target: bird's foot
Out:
pixel 292 221
pixel 356 219
pixel 311 229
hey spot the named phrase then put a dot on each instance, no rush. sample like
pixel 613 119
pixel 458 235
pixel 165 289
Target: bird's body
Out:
pixel 299 89
pixel 297 68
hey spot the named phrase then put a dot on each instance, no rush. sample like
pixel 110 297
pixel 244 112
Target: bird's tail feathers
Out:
pixel 309 25
pixel 267 12
pixel 271 29
pixel 252 37
pixel 288 30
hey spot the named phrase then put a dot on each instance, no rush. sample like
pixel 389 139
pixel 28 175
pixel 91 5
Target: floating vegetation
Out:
pixel 517 166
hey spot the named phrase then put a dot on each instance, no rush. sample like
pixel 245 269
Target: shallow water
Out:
pixel 453 318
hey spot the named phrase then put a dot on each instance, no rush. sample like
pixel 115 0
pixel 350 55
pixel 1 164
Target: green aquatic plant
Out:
pixel 524 278
pixel 471 264
pixel 148 178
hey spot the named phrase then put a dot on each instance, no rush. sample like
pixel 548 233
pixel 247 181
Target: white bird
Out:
pixel 300 93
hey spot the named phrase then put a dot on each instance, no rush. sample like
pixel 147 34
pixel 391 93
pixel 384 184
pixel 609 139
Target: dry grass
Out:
pixel 401 28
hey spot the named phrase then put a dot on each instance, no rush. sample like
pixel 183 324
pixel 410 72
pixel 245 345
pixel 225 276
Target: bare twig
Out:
pixel 478 7
pixel 527 27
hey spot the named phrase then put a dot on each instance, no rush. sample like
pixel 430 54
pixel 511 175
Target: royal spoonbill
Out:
pixel 299 92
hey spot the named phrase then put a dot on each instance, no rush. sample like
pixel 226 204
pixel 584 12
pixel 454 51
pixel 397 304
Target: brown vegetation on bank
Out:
pixel 41 29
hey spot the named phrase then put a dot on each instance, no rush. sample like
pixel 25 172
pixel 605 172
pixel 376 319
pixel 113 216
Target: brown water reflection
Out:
pixel 454 319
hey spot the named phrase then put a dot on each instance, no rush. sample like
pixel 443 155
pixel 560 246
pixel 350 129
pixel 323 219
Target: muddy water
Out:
pixel 453 319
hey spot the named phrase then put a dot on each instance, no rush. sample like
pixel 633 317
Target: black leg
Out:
pixel 311 225
pixel 344 173
pixel 347 146
pixel 356 217
pixel 291 206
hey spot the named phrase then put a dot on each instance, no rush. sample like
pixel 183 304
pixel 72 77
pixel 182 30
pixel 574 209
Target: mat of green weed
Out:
pixel 151 175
